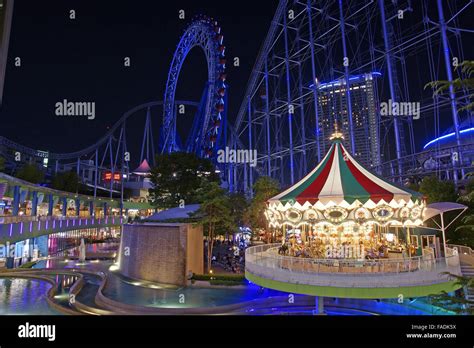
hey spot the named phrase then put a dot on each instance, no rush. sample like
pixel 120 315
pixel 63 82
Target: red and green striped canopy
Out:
pixel 340 178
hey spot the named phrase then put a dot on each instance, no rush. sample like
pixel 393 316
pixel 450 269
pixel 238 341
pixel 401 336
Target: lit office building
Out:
pixel 332 104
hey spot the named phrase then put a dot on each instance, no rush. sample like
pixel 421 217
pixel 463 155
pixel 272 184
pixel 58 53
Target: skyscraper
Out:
pixel 332 103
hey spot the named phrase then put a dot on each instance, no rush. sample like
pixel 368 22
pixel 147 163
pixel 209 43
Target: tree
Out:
pixel 458 304
pixel 414 186
pixel 467 67
pixel 264 188
pixel 464 231
pixel 239 205
pixel 469 187
pixel 31 173
pixel 178 178
pixel 216 215
pixel 67 181
pixel 2 164
pixel 436 190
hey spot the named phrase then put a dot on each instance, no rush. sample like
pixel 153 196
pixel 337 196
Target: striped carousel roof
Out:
pixel 339 178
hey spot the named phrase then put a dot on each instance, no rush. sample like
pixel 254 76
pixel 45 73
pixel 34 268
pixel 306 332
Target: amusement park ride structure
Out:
pixel 309 42
pixel 111 155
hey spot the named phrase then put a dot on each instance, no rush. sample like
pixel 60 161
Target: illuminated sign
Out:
pixel 107 176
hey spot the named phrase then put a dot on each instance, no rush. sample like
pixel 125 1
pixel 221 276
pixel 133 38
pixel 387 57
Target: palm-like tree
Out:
pixel 467 67
pixel 457 304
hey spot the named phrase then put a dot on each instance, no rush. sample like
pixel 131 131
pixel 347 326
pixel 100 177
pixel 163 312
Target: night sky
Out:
pixel 82 60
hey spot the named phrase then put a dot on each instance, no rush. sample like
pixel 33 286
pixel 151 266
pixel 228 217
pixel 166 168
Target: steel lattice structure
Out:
pixel 311 42
pixel 106 154
pixel 206 34
pixel 112 152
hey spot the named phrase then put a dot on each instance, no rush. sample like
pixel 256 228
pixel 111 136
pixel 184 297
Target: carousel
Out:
pixel 341 210
pixel 346 232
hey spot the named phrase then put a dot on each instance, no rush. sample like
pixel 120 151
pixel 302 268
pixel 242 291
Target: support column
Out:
pixel 50 204
pixel 388 59
pixel 267 121
pixel 315 81
pixel 91 208
pixel 16 200
pixel 78 206
pixel 123 165
pixel 64 207
pixel 452 96
pixel 290 107
pixel 348 85
pixel 96 172
pixel 230 178
pixel 319 305
pixel 250 148
pixel 34 203
pixel 105 209
pixel 246 181
pixel 304 169
pixel 112 165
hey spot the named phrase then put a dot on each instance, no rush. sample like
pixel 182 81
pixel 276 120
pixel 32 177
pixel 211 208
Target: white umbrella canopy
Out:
pixel 439 208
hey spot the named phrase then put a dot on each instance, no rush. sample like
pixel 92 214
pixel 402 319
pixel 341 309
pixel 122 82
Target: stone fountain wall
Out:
pixel 161 252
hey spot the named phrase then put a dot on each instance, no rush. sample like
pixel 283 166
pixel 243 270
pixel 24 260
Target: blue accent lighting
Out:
pixel 468 130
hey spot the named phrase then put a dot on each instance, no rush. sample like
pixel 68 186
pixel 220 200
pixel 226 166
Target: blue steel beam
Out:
pixel 347 78
pixel 288 100
pixel 457 160
pixel 313 71
pixel 388 59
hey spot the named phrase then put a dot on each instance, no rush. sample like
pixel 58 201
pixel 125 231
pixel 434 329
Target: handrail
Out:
pixel 463 249
pixel 265 256
pixel 26 218
pixel 273 251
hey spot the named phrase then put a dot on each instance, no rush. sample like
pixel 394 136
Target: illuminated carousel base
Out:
pixel 358 279
pixel 353 292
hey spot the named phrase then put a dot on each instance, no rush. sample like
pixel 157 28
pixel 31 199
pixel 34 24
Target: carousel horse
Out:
pixel 282 250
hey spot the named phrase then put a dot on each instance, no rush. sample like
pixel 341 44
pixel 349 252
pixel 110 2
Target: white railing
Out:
pixel 27 218
pixel 264 261
pixel 462 249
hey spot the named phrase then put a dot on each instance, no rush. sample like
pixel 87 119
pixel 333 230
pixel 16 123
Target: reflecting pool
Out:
pixel 24 296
